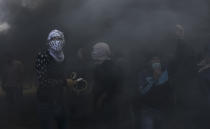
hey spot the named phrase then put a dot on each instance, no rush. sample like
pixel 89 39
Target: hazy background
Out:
pixel 131 27
pixel 127 25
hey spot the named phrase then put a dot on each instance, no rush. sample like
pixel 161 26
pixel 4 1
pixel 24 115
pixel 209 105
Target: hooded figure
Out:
pixel 101 52
pixel 107 82
pixel 49 68
pixel 55 44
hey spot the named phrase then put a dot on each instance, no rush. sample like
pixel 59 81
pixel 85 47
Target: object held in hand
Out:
pixel 73 76
pixel 80 85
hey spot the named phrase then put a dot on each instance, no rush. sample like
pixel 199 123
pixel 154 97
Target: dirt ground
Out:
pixel 24 116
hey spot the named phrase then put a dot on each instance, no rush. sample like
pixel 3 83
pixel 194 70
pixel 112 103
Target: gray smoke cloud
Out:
pixel 129 26
pixel 124 22
pixel 131 23
pixel 133 27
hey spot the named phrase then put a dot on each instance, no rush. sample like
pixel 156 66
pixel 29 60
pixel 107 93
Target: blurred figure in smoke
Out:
pixel 81 106
pixel 204 74
pixel 50 70
pixel 107 83
pixel 126 114
pixel 83 62
pixel 204 85
pixel 182 68
pixel 179 32
pixel 12 80
pixel 155 95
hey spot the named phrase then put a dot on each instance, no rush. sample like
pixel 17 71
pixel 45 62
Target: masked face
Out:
pixel 56 40
pixel 100 53
pixel 156 66
pixel 55 45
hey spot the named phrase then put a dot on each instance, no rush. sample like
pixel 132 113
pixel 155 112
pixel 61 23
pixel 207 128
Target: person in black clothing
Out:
pixel 155 95
pixel 12 80
pixel 204 85
pixel 184 58
pixel 49 68
pixel 182 68
pixel 107 82
pixel 81 106
pixel 204 76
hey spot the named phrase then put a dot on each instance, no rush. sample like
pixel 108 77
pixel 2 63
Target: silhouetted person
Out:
pixel 204 76
pixel 155 95
pixel 50 70
pixel 182 68
pixel 81 105
pixel 12 80
pixel 107 85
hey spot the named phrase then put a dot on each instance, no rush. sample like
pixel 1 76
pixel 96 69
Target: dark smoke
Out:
pixel 131 27
pixel 125 23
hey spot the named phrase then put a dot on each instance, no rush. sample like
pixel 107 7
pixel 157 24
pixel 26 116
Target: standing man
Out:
pixel 12 80
pixel 182 68
pixel 155 95
pixel 49 67
pixel 204 76
pixel 107 85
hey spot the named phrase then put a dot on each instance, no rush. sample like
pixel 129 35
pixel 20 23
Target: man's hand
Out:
pixel 70 82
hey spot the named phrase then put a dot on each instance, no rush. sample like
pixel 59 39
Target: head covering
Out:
pixel 101 52
pixel 56 40
pixel 180 31
pixel 56 43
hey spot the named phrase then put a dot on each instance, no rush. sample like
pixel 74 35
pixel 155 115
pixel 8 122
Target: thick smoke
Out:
pixel 128 23
pixel 24 25
pixel 131 27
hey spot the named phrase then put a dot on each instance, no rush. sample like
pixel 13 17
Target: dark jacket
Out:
pixel 204 81
pixel 107 79
pixel 50 76
pixel 184 62
pixel 155 94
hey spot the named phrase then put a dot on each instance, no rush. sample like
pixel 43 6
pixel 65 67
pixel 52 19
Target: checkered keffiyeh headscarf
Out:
pixel 56 40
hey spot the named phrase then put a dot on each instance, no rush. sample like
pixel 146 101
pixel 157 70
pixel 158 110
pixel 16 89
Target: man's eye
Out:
pixel 56 38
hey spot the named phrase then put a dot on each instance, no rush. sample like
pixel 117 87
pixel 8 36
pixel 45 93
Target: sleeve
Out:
pixel 145 83
pixel 41 69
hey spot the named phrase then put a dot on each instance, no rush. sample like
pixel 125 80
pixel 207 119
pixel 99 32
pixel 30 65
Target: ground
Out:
pixel 24 116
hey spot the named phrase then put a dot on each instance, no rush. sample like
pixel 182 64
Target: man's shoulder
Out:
pixel 43 54
pixel 43 57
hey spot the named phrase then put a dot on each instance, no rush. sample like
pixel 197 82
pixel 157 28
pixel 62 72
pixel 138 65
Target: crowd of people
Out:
pixel 105 91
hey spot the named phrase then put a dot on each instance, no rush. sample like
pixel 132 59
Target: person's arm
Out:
pixel 145 83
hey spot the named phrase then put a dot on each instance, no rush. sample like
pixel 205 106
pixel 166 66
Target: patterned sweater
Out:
pixel 50 77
